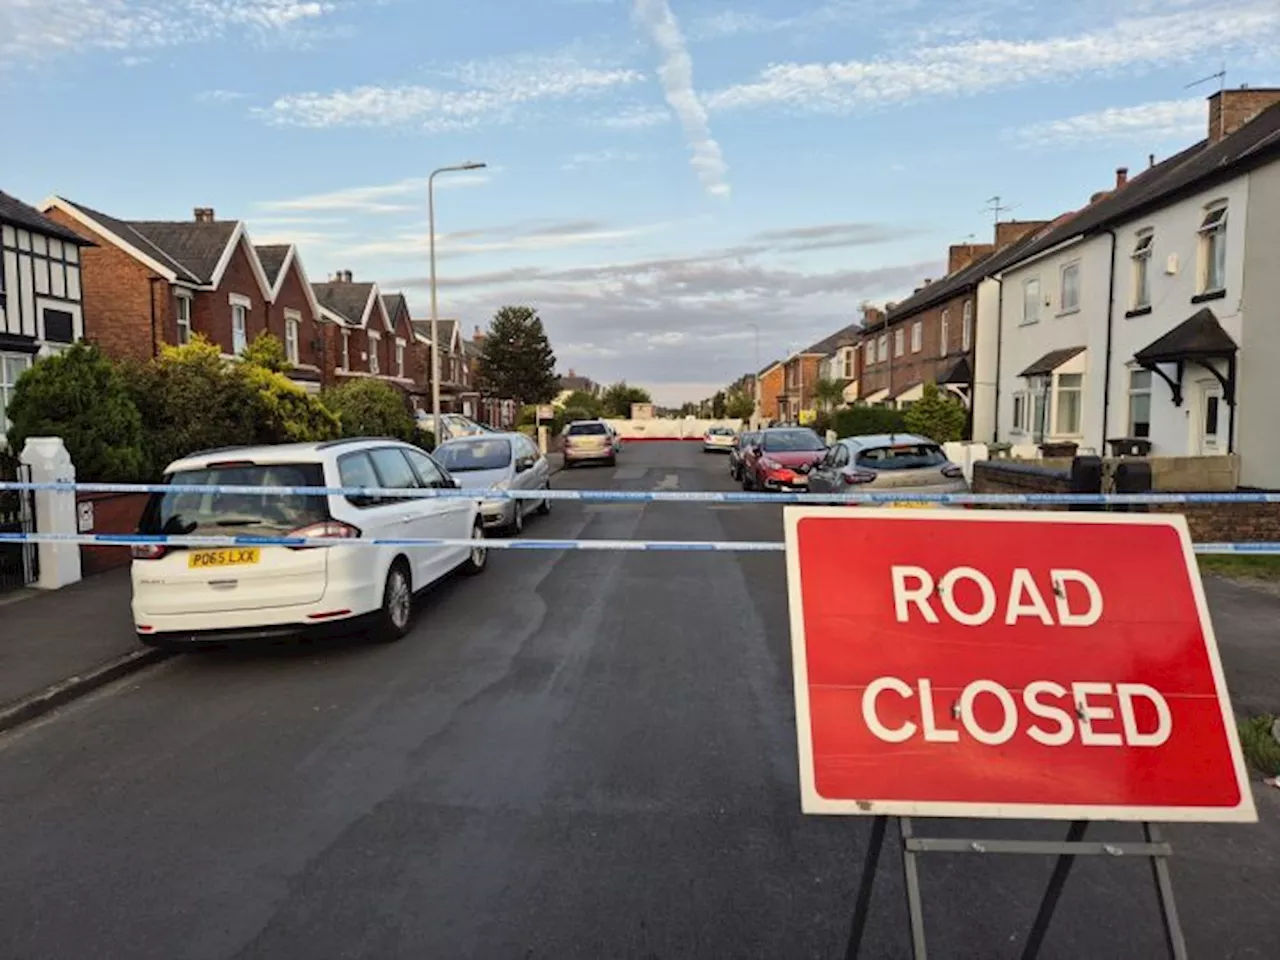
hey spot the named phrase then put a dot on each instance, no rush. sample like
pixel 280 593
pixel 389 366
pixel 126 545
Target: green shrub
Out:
pixel 860 421
pixel 267 352
pixel 937 415
pixel 1259 745
pixel 284 411
pixel 80 396
pixel 371 408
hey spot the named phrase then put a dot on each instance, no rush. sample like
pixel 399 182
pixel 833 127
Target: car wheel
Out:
pixel 397 604
pixel 612 461
pixel 746 481
pixel 517 519
pixel 545 506
pixel 478 558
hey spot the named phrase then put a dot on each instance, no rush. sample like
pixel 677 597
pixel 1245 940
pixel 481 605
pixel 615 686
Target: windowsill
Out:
pixel 1209 295
pixel 1067 313
pixel 1028 323
pixel 1137 312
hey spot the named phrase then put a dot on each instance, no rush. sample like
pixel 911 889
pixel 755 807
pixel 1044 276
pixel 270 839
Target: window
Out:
pixel 292 326
pixel 1031 300
pixel 40 267
pixel 917 336
pixel 59 326
pixel 428 471
pixel 966 327
pixel 184 319
pixel 12 366
pixel 374 346
pixel 346 349
pixel 475 453
pixel 905 456
pixel 1019 412
pixel 1213 249
pixel 1069 298
pixel 1140 403
pixel 399 358
pixel 393 470
pixel 899 342
pixel 846 362
pixel 882 348
pixel 239 328
pixel 356 470
pixel 1141 256
pixel 73 280
pixel 211 514
pixel 944 333
pixel 870 352
pixel 1069 395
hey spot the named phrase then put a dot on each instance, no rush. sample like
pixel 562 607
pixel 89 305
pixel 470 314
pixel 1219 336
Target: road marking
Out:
pixel 670 482
pixel 630 473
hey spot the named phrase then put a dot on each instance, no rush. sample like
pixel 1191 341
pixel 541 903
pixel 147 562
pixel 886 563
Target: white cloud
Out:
pixel 38 29
pixel 980 65
pixel 676 75
pixel 519 237
pixel 1161 120
pixel 485 93
pixel 403 195
pixel 220 96
pixel 608 156
pixel 635 118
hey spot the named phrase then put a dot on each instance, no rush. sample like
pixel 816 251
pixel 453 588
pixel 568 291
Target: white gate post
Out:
pixel 55 510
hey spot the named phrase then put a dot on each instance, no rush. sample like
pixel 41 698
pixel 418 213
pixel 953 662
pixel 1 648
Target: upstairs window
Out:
pixel 1070 294
pixel 899 342
pixel 870 351
pixel 346 349
pixel 184 319
pixel 292 326
pixel 966 327
pixel 239 328
pixel 1140 403
pixel 1031 300
pixel 1141 256
pixel 882 348
pixel 400 358
pixel 944 333
pixel 1213 249
pixel 917 336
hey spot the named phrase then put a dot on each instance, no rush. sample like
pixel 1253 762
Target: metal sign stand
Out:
pixel 1154 847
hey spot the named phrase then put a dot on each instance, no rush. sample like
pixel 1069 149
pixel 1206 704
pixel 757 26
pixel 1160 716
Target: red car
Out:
pixel 780 459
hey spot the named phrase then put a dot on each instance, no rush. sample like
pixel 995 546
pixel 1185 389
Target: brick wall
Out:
pixel 933 360
pixel 294 297
pixel 1208 522
pixel 112 513
pixel 1229 110
pixel 117 293
pixel 211 311
pixel 770 388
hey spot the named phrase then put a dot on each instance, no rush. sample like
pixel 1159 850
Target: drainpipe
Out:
pixel 1106 369
pixel 155 344
pixel 995 425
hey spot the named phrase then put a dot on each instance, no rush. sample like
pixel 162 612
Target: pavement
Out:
pixel 576 755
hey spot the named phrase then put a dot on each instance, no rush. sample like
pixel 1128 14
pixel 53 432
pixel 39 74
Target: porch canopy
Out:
pixel 1051 361
pixel 879 396
pixel 960 375
pixel 1199 340
pixel 910 393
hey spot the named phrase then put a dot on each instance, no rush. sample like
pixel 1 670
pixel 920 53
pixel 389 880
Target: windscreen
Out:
pixel 907 456
pixel 587 429
pixel 213 513
pixel 464 455
pixel 783 441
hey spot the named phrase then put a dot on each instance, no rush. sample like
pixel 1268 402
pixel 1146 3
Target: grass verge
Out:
pixel 1242 566
pixel 1259 746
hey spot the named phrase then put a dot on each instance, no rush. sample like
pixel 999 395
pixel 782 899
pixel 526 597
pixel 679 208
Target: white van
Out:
pixel 192 596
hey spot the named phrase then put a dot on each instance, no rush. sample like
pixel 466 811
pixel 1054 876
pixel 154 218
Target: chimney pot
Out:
pixel 204 214
pixel 1122 176
pixel 1151 160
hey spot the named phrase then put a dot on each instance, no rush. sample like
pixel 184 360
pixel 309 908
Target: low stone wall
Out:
pixel 110 513
pixel 1208 522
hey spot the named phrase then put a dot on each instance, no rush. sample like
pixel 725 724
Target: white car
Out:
pixel 193 596
pixel 719 440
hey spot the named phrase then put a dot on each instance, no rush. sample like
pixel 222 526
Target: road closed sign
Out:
pixel 1007 664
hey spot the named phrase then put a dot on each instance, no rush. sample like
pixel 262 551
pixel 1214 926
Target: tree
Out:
pixel 617 399
pixel 582 401
pixel 828 393
pixel 739 405
pixel 516 361
pixel 371 408
pixel 937 415
pixel 266 351
pixel 718 406
pixel 283 411
pixel 80 396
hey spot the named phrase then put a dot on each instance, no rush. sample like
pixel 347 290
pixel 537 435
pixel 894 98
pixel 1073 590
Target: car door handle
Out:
pixel 407 518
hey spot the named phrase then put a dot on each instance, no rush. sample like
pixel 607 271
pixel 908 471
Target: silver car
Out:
pixel 499 461
pixel 589 440
pixel 886 463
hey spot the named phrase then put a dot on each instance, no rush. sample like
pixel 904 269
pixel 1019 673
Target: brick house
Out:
pixel 768 391
pixel 402 347
pixel 41 305
pixel 362 340
pixel 452 362
pixel 293 315
pixel 149 282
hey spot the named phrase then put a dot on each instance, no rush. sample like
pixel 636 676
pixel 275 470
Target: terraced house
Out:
pixel 364 340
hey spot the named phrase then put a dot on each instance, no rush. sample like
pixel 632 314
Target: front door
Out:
pixel 1210 425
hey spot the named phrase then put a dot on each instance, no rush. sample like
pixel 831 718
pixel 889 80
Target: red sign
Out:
pixel 1007 664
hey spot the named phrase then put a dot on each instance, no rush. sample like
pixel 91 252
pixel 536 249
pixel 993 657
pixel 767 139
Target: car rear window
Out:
pixel 797 440
pixel 721 431
pixel 907 456
pixel 460 456
pixel 586 429
pixel 198 513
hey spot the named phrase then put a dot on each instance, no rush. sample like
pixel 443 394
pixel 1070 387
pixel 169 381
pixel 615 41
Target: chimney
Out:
pixel 871 316
pixel 1229 110
pixel 1011 231
pixel 1151 160
pixel 342 276
pixel 571 373
pixel 1122 177
pixel 960 255
pixel 478 336
pixel 204 214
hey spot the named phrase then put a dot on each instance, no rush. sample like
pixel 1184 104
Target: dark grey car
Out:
pixel 886 463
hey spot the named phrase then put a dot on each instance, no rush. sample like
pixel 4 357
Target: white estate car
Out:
pixel 192 596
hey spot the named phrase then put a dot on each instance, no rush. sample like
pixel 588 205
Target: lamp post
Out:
pixel 435 316
pixel 755 374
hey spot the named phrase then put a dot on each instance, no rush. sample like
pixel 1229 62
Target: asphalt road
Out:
pixel 575 755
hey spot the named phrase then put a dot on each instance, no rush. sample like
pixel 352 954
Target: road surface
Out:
pixel 577 755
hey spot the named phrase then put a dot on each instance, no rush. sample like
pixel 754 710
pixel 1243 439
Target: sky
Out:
pixel 684 189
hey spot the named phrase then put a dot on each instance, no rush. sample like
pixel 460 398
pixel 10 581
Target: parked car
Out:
pixel 780 459
pixel 193 596
pixel 499 461
pixel 719 440
pixel 615 435
pixel 745 440
pixel 452 426
pixel 588 440
pixel 888 463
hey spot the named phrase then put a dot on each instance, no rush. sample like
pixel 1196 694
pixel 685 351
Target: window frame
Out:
pixel 966 326
pixel 399 357
pixel 375 364
pixel 1071 267
pixel 917 336
pixel 899 342
pixel 869 351
pixel 944 331
pixel 240 306
pixel 1028 285
pixel 882 347
pixel 293 336
pixel 1135 392
pixel 182 304
pixel 346 350
pixel 1058 391
pixel 1141 257
pixel 6 386
pixel 1212 245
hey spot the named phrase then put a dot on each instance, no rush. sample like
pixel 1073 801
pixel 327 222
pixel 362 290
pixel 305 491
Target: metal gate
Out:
pixel 19 562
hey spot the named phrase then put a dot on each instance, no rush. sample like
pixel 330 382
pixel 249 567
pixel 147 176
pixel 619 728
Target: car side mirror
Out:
pixel 523 464
pixel 455 483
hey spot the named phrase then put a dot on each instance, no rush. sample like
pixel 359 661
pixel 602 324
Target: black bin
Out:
pixel 1061 449
pixel 1131 476
pixel 1130 447
pixel 1086 477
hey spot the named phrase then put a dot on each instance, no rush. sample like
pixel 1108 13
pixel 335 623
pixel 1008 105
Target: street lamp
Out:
pixel 435 316
pixel 755 374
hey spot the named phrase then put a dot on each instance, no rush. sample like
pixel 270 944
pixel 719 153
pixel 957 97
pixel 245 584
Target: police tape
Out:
pixel 658 496
pixel 624 546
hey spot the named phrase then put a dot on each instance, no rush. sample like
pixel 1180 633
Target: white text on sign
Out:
pixel 914 589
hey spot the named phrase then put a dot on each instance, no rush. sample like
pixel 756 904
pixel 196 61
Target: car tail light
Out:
pixel 952 472
pixel 333 529
pixel 857 476
pixel 568 440
pixel 148 551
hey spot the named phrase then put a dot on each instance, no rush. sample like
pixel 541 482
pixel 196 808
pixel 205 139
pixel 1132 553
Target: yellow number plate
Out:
pixel 909 504
pixel 236 556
